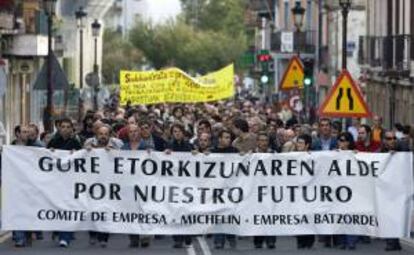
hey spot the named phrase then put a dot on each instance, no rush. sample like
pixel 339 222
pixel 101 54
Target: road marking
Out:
pixel 204 245
pixel 408 242
pixel 5 237
pixel 191 250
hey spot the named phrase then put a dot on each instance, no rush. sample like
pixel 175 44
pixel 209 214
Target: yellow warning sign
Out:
pixel 293 77
pixel 344 99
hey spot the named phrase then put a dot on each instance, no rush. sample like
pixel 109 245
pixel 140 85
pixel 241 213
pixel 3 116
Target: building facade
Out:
pixel 123 13
pixel 24 47
pixel 386 57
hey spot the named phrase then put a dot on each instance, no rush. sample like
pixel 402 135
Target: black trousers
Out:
pixel 305 241
pixel 182 238
pixel 101 237
pixel 259 240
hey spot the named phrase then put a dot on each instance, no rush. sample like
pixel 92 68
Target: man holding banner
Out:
pixel 173 192
pixel 64 140
pixel 390 144
pixel 24 238
pixel 101 140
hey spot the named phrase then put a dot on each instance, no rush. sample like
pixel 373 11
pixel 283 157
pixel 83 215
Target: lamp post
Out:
pixel 345 5
pixel 80 14
pixel 49 7
pixel 298 14
pixel 96 30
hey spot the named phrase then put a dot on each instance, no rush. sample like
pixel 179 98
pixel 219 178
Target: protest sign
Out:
pixel 256 194
pixel 174 86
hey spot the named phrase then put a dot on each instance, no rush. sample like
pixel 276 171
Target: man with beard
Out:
pixel 102 139
pixel 263 146
pixel 113 143
pixel 24 238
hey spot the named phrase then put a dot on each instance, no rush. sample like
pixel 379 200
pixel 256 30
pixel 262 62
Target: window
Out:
pixel 287 15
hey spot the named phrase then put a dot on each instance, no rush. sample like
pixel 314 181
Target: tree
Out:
pixel 217 15
pixel 207 36
pixel 118 54
pixel 177 43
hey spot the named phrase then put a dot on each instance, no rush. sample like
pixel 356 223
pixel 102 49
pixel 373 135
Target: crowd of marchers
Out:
pixel 246 126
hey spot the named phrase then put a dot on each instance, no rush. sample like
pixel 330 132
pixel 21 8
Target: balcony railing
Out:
pixel 303 42
pixel 392 54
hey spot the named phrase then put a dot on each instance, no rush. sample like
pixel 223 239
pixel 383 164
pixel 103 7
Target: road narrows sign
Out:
pixel 344 99
pixel 293 77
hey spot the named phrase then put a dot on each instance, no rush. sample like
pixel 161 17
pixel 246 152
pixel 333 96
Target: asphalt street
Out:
pixel 118 244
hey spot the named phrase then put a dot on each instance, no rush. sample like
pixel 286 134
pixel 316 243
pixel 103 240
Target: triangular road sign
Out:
pixel 293 77
pixel 344 99
pixel 59 79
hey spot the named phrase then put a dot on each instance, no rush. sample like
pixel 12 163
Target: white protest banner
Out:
pixel 255 194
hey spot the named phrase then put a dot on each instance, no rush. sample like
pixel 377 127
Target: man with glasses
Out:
pixel 150 141
pixel 390 144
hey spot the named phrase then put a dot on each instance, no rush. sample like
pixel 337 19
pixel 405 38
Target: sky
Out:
pixel 161 10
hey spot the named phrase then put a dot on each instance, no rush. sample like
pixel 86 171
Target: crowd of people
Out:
pixel 222 127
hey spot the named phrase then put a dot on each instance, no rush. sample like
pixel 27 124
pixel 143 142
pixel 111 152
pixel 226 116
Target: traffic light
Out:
pixel 265 62
pixel 308 72
pixel 264 57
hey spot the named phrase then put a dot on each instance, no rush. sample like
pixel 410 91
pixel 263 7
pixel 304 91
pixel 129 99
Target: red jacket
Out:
pixel 373 146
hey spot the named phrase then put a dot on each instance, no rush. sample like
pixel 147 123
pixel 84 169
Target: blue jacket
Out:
pixel 317 144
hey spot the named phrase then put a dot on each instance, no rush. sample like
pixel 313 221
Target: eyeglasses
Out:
pixel 343 140
pixel 391 138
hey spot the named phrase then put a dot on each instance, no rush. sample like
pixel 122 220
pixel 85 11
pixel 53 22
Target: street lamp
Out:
pixel 49 7
pixel 345 5
pixel 298 14
pixel 80 15
pixel 96 30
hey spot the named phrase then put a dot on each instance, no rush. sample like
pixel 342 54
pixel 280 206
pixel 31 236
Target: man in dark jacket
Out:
pixel 390 144
pixel 179 144
pixel 148 138
pixel 224 146
pixel 24 238
pixel 64 140
pixel 224 143
pixel 325 141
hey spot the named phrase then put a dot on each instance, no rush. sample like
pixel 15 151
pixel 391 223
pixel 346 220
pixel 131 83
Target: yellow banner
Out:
pixel 174 86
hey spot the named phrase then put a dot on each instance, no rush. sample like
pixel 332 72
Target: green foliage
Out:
pixel 119 54
pixel 217 15
pixel 179 44
pixel 199 41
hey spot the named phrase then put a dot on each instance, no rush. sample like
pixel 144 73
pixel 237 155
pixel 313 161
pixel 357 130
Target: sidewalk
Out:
pixel 408 241
pixel 2 233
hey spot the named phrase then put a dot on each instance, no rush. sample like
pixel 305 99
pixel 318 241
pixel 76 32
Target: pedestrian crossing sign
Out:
pixel 293 77
pixel 344 99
